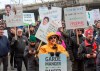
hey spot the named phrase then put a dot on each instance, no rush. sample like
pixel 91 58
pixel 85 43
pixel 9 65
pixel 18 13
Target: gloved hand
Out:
pixel 54 47
pixel 51 53
pixel 15 41
pixel 57 54
pixel 36 51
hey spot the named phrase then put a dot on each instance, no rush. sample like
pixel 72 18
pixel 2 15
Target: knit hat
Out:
pixel 32 38
pixel 88 31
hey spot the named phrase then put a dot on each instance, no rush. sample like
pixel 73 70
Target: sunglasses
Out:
pixel 79 30
pixel 52 37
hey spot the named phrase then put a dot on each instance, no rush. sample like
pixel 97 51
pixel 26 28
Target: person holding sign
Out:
pixel 20 42
pixel 52 47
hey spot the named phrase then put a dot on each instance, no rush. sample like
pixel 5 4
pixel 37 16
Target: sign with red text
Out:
pixel 14 15
pixel 75 17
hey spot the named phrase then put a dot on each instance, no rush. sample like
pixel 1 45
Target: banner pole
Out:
pixel 15 33
pixel 77 36
pixel 28 31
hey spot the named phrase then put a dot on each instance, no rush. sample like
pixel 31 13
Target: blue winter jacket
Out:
pixel 4 46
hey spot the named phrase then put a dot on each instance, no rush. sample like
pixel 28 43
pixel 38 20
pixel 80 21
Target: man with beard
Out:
pixel 88 51
pixel 20 43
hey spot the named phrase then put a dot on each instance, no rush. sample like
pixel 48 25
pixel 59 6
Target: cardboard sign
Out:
pixel 75 17
pixel 14 15
pixel 28 18
pixel 52 63
pixel 50 22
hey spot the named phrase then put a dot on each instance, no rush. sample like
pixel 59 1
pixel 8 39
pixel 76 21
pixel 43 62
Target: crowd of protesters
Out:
pixel 80 45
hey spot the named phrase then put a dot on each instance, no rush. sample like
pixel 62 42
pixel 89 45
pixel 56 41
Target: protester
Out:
pixel 98 60
pixel 12 48
pixel 60 40
pixel 88 51
pixel 52 46
pixel 31 31
pixel 77 64
pixel 4 49
pixel 98 32
pixel 30 52
pixel 20 43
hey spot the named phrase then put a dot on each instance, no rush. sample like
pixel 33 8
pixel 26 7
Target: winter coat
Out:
pixel 73 47
pixel 4 46
pixel 20 45
pixel 87 48
pixel 48 47
pixel 98 62
pixel 32 62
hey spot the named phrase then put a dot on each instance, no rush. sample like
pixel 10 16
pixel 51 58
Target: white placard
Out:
pixel 5 33
pixel 14 15
pixel 50 21
pixel 90 18
pixel 75 17
pixel 28 18
pixel 96 14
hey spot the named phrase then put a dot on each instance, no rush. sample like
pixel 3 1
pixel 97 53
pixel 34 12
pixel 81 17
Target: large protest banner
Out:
pixel 52 63
pixel 14 15
pixel 50 21
pixel 75 17
pixel 28 18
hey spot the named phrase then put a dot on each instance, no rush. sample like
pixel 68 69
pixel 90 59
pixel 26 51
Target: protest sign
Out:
pixel 50 21
pixel 75 17
pixel 5 33
pixel 14 15
pixel 52 63
pixel 96 14
pixel 28 18
pixel 90 18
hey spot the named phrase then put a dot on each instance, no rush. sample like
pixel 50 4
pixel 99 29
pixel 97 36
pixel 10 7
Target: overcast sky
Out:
pixel 3 2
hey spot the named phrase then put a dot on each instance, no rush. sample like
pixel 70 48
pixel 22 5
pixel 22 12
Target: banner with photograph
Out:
pixel 14 15
pixel 50 21
pixel 52 63
pixel 75 17
pixel 28 18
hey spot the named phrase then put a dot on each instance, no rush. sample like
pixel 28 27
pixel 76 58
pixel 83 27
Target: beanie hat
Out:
pixel 32 38
pixel 88 31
